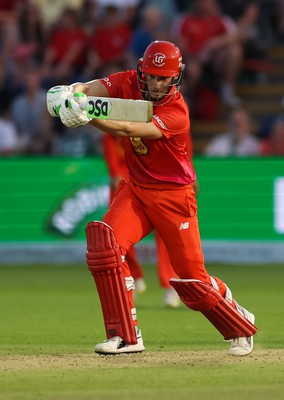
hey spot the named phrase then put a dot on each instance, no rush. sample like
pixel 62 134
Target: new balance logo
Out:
pixel 184 225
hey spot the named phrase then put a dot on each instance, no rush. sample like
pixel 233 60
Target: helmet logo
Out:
pixel 159 59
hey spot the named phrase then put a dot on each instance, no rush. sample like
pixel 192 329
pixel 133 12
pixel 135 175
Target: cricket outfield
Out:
pixel 51 320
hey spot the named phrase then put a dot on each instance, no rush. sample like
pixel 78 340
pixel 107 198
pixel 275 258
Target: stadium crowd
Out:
pixel 45 43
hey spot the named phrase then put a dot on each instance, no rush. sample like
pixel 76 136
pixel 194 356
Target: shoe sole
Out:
pixel 103 348
pixel 119 351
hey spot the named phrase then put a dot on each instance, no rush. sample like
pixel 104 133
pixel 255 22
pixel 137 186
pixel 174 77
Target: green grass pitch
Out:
pixel 50 320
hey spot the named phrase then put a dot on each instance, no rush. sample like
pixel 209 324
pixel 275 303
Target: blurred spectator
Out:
pixel 8 26
pixel 39 145
pixel 252 35
pixel 250 31
pixel 234 9
pixel 238 140
pixel 273 144
pixel 81 142
pixel 52 9
pixel 9 140
pixel 7 87
pixel 209 42
pixel 182 5
pixel 31 34
pixel 65 53
pixel 127 9
pixel 89 15
pixel 151 27
pixel 272 19
pixel 280 19
pixel 169 8
pixel 29 113
pixel 248 23
pixel 108 43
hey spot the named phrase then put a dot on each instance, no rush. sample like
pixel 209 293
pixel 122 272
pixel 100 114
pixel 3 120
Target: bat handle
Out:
pixel 81 99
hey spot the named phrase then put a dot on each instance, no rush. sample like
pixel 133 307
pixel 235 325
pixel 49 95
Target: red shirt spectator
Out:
pixel 209 41
pixel 111 39
pixel 197 31
pixel 117 39
pixel 65 54
pixel 68 38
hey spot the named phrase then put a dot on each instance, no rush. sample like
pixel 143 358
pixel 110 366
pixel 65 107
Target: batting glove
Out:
pixel 54 97
pixel 72 112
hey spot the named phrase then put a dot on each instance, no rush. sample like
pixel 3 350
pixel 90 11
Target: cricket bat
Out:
pixel 119 109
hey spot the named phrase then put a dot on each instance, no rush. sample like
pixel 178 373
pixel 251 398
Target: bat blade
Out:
pixel 119 109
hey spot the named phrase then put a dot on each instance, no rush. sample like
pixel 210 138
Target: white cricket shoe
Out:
pixel 243 346
pixel 171 298
pixel 140 285
pixel 116 345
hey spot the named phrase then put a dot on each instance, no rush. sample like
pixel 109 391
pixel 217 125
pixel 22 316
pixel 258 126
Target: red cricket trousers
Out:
pixel 171 210
pixel 165 270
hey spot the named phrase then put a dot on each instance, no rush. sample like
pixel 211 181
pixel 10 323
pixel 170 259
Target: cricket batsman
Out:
pixel 159 195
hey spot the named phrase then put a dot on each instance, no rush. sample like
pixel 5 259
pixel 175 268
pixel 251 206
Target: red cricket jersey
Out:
pixel 164 160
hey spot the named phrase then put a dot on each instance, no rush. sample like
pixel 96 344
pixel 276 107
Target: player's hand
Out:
pixel 54 97
pixel 72 111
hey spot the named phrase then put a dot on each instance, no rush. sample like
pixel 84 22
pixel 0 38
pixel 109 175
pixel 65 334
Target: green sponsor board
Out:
pixel 241 198
pixel 51 200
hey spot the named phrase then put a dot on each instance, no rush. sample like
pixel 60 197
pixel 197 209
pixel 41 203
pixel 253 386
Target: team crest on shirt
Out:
pixel 138 146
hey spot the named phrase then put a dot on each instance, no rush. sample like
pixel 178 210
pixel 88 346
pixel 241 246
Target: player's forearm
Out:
pixel 91 88
pixel 116 128
pixel 127 129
